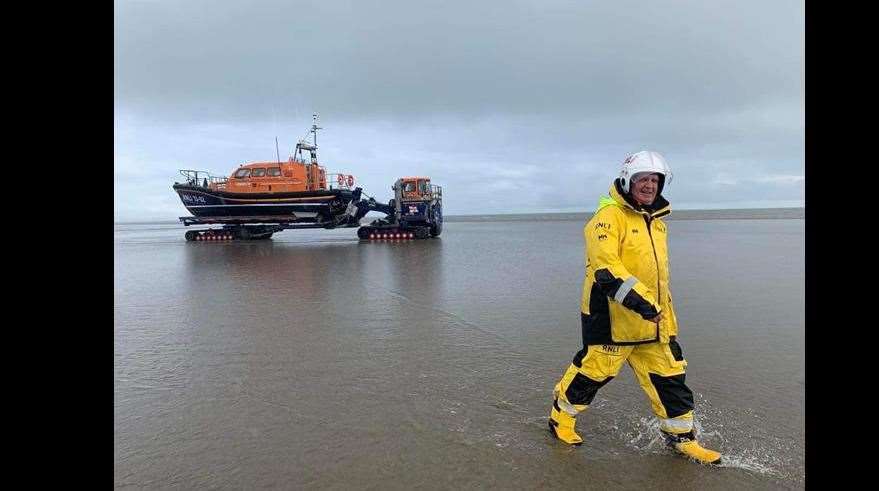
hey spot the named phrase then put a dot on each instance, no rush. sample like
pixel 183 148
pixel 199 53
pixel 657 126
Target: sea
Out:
pixel 316 361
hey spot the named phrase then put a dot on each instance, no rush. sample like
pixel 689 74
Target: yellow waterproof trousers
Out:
pixel 659 368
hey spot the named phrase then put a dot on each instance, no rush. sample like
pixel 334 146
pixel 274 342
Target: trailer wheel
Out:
pixel 190 235
pixel 363 233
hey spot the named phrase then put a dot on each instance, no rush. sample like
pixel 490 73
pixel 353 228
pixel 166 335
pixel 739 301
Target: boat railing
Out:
pixel 436 192
pixel 204 179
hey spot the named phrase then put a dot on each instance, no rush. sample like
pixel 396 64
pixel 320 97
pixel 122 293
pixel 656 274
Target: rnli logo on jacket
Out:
pixel 602 225
pixel 610 349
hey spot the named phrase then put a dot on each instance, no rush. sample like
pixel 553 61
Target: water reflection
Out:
pixel 314 360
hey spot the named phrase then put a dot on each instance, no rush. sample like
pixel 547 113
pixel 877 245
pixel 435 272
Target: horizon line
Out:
pixel 527 213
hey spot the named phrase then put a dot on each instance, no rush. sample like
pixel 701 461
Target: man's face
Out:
pixel 644 188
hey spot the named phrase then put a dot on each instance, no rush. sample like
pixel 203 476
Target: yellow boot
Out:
pixel 686 444
pixel 562 425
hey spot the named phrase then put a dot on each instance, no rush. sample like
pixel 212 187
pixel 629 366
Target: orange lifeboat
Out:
pixel 296 190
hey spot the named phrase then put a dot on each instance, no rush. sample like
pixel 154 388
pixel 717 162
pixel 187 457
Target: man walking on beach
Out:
pixel 626 310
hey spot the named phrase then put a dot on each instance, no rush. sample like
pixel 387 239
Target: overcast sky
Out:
pixel 512 106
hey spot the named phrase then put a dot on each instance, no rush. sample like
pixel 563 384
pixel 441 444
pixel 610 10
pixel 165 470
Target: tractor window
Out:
pixel 409 187
pixel 242 173
pixel 258 172
pixel 274 171
pixel 423 186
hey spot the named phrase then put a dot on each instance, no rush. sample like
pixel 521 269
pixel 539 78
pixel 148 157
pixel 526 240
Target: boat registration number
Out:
pixel 192 198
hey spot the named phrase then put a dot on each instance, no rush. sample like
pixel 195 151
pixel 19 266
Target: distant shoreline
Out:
pixel 719 214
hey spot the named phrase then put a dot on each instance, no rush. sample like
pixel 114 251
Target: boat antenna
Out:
pixel 277 152
pixel 314 128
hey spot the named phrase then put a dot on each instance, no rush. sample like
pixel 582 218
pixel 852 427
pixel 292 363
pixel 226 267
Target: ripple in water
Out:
pixel 763 455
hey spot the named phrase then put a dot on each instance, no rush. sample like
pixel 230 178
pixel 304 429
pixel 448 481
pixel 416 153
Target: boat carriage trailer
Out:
pixel 415 212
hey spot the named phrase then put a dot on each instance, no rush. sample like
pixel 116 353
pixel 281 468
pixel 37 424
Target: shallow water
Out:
pixel 315 361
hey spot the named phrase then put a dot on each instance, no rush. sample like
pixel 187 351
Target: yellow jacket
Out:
pixel 627 277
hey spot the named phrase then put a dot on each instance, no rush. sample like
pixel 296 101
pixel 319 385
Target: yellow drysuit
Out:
pixel 627 285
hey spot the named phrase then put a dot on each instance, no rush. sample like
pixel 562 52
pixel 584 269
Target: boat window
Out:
pixel 258 172
pixel 242 173
pixel 274 171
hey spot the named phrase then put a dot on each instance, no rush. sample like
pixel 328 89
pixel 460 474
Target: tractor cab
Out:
pixel 417 200
pixel 414 189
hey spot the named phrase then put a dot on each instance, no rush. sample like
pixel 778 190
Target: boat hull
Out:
pixel 303 206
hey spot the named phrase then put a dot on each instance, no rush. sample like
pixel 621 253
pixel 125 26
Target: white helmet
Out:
pixel 644 161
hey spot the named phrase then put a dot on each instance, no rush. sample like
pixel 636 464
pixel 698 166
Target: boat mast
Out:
pixel 314 128
pixel 311 147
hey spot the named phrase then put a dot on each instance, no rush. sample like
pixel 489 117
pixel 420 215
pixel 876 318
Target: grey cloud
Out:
pixel 361 59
